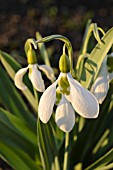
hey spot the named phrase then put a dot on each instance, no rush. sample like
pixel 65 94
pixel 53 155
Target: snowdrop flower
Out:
pixel 34 73
pixel 72 96
pixel 101 85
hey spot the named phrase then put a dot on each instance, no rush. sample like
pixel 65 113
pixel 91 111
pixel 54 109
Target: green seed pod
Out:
pixel 64 64
pixel 31 57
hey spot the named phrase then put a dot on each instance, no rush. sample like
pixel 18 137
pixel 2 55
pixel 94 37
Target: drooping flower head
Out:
pixel 69 95
pixel 33 68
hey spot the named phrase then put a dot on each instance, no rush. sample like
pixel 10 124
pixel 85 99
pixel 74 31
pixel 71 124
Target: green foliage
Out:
pixel 94 61
pixel 26 143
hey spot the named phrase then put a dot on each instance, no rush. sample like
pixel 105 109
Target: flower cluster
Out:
pixel 66 92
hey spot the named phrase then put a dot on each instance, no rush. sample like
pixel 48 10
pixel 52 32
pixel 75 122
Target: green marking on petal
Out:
pixel 58 96
pixel 30 70
pixel 64 85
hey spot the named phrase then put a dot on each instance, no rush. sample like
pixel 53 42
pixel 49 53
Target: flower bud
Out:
pixel 64 64
pixel 31 56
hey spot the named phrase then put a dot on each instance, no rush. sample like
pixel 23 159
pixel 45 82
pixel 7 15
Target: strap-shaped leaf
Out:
pixel 13 139
pixel 42 49
pixel 109 166
pixel 9 63
pixel 94 61
pixel 17 158
pixel 104 160
pixel 18 126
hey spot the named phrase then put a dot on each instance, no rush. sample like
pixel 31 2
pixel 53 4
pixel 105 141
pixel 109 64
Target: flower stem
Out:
pixel 66 155
pixel 67 43
pixel 36 96
pixel 57 166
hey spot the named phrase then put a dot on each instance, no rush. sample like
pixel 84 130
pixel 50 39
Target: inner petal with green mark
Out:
pixel 58 95
pixel 64 85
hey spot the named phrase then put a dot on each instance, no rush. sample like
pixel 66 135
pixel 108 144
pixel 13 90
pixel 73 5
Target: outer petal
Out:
pixel 36 78
pixel 46 103
pixel 48 71
pixel 101 85
pixel 65 116
pixel 82 100
pixel 100 88
pixel 18 79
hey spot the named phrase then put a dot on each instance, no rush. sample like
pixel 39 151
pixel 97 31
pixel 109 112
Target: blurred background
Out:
pixel 20 19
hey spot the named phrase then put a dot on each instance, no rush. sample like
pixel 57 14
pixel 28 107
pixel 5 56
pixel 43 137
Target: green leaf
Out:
pixel 9 63
pixel 104 160
pixel 42 49
pixel 19 126
pixel 110 166
pixel 17 158
pixel 14 139
pixel 83 50
pixel 94 61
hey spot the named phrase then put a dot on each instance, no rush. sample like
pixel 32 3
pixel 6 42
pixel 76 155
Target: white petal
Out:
pixel 100 89
pixel 82 100
pixel 101 85
pixel 18 79
pixel 46 103
pixel 48 71
pixel 65 116
pixel 36 78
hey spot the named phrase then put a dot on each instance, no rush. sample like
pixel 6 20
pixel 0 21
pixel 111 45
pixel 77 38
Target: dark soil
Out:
pixel 20 19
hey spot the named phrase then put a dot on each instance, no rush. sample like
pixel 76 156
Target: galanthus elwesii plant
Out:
pixel 64 122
